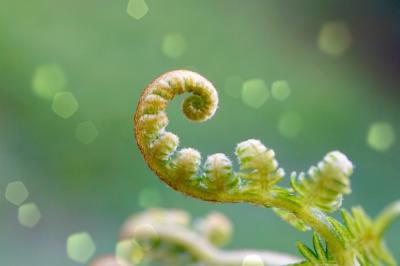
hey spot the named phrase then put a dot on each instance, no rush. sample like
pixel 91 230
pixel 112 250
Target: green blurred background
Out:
pixel 81 165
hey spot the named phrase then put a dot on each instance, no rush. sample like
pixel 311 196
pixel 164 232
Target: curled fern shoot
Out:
pixel 305 205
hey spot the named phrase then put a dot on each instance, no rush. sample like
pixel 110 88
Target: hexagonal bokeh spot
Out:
pixel 254 92
pixel 334 38
pixel 48 80
pixel 65 104
pixel 381 136
pixel 280 90
pixel 86 132
pixel 174 45
pixel 29 215
pixel 80 247
pixel 137 8
pixel 290 124
pixel 16 193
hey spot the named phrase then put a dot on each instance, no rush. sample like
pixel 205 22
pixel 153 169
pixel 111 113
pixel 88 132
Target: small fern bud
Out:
pixel 218 172
pixel 149 127
pixel 258 163
pixel 196 109
pixel 217 228
pixel 334 171
pixel 253 155
pixel 177 217
pixel 164 146
pixel 153 104
pixel 186 164
pixel 203 103
pixel 326 183
pixel 337 168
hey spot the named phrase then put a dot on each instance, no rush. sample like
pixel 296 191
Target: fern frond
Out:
pixel 258 166
pixel 182 169
pixel 326 183
pixel 305 205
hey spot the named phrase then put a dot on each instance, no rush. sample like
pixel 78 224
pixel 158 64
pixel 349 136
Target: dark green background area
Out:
pixel 108 58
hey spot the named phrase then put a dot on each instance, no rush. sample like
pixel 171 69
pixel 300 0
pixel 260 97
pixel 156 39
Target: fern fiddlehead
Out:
pixel 181 168
pixel 305 205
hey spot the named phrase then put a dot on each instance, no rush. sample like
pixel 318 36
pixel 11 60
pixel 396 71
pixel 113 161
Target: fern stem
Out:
pixel 311 216
pixel 208 254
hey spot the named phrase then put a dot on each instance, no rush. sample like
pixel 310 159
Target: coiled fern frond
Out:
pixel 305 204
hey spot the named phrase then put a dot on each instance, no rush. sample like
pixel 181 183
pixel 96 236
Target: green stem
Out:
pixel 312 217
pixel 208 254
pixel 316 220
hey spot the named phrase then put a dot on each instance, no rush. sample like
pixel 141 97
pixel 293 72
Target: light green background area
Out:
pixel 108 58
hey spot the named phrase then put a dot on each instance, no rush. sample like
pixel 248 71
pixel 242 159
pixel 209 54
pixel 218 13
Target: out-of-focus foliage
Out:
pixel 171 237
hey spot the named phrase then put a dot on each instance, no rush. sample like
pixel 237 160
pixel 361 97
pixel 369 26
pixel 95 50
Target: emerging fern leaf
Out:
pixel 371 250
pixel 326 184
pixel 258 166
pixel 219 175
pixel 317 256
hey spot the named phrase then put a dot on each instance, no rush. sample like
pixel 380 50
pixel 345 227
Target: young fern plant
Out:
pixel 306 204
pixel 171 237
